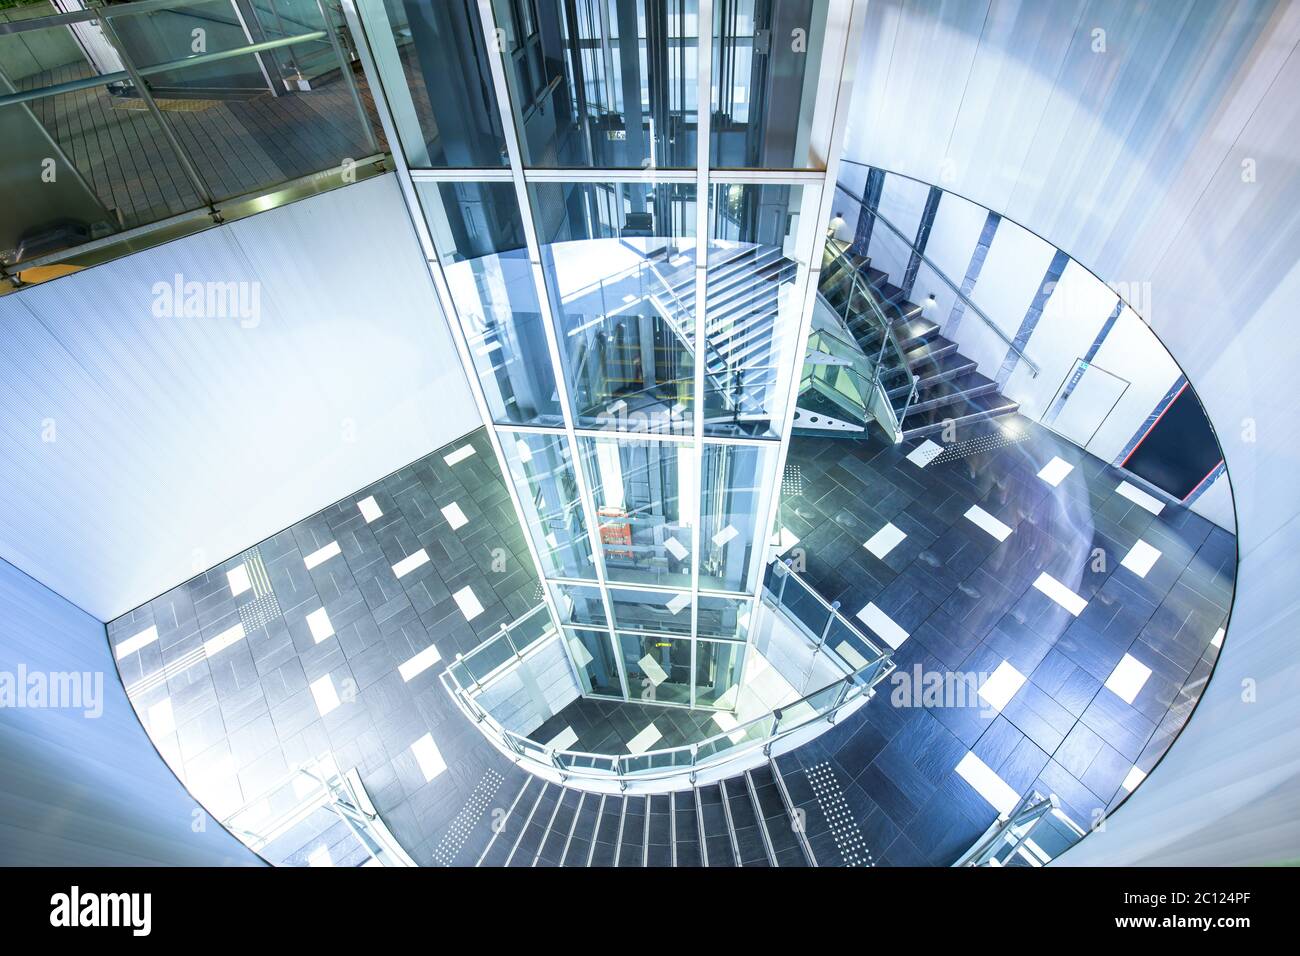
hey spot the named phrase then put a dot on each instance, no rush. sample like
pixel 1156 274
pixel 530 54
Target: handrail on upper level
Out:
pixel 185 154
pixel 943 276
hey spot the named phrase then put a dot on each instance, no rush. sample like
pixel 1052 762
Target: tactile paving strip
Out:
pixel 470 814
pixel 830 797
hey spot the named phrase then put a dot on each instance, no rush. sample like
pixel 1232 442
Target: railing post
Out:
pixel 785 576
pixel 345 71
pixel 109 30
pixel 884 343
pixel 830 619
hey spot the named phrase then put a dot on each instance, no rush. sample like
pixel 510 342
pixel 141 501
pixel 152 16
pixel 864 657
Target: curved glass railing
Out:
pixel 1033 834
pixel 865 662
pixel 471 671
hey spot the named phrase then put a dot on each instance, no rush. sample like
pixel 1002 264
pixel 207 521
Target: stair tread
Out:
pixel 979 406
pixel 685 820
pixel 930 350
pixel 910 333
pixel 948 364
pixel 584 831
pixel 503 840
pixel 914 332
pixel 530 841
pixel 557 835
pixel 946 391
pixel 743 815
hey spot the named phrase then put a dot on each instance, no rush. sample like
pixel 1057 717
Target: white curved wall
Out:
pixel 1170 157
pixel 83 784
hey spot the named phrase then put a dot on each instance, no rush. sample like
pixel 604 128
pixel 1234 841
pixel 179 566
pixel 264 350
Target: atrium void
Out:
pixel 644 433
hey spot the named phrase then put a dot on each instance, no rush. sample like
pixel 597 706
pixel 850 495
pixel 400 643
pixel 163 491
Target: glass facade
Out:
pixel 626 261
pixel 766 66
pixel 643 492
pixel 479 237
pixel 757 232
pixel 619 265
pixel 438 81
pixel 602 83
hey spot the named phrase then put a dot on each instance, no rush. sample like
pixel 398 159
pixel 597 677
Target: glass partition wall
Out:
pixel 622 204
pixel 125 124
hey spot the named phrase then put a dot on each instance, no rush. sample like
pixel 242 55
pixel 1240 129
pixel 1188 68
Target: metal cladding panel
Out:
pixel 164 411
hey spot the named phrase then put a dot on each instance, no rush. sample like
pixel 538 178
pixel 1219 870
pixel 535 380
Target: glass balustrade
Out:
pixel 596 84
pixel 860 327
pixel 151 119
pixel 505 647
pixel 660 668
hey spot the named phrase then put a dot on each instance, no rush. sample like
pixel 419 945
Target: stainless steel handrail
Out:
pixel 783 720
pixel 943 276
pixel 122 76
pixel 565 762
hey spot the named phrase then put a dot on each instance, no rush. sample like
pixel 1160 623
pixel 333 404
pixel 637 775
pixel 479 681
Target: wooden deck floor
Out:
pixel 239 146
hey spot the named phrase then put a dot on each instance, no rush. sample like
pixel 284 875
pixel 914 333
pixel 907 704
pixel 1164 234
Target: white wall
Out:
pixel 902 201
pixel 81 790
pixel 178 442
pixel 1130 353
pixel 1075 312
pixel 1012 274
pixel 1229 789
pixel 1005 102
pixel 953 238
pixel 1132 161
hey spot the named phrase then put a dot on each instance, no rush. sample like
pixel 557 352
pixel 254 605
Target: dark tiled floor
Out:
pixel 244 714
pixel 968 603
pixel 883 785
pixel 605 727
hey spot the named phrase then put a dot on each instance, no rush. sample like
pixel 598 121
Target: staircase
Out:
pixel 742 821
pixel 741 303
pixel 948 389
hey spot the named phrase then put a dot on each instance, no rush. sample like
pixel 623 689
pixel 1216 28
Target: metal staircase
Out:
pixel 896 369
pixel 741 821
pixel 742 301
